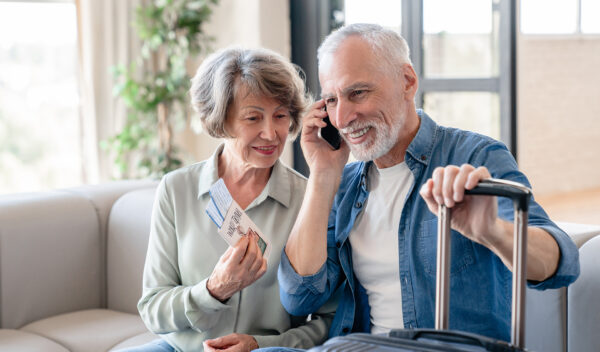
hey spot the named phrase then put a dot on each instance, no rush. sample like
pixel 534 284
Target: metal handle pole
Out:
pixel 442 287
pixel 519 277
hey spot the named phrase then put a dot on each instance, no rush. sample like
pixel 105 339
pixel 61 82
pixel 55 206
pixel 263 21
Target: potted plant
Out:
pixel 156 96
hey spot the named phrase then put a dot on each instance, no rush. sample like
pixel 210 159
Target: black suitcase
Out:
pixel 440 338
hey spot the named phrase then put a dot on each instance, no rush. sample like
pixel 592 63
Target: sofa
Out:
pixel 71 264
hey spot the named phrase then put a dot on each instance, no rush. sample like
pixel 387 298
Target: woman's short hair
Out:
pixel 263 72
pixel 386 43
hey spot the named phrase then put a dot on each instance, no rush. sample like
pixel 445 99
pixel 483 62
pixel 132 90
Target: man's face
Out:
pixel 365 101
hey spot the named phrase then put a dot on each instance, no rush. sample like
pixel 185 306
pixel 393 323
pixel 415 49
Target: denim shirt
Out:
pixel 480 284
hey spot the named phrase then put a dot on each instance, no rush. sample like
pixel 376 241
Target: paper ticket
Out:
pixel 231 219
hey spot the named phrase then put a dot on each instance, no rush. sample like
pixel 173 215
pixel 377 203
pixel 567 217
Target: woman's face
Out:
pixel 259 128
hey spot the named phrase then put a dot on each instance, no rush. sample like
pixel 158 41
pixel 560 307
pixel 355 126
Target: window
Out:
pixel 461 64
pixel 387 13
pixel 590 12
pixel 458 43
pixel 39 119
pixel 560 16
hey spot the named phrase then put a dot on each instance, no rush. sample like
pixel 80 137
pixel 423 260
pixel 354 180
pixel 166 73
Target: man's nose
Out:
pixel 344 114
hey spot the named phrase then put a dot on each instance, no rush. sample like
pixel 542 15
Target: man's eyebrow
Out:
pixel 355 86
pixel 350 88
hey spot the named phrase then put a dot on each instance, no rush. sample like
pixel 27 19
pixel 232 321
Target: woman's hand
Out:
pixel 318 154
pixel 237 268
pixel 231 343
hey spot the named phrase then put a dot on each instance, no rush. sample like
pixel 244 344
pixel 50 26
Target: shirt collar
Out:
pixel 421 147
pixel 210 172
pixel 278 187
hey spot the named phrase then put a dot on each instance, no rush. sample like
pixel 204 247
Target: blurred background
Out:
pixel 95 90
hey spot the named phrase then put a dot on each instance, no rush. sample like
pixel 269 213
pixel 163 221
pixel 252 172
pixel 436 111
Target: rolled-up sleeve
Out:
pixel 501 164
pixel 301 295
pixel 568 265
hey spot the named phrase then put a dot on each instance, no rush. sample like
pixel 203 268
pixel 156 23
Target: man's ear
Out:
pixel 411 82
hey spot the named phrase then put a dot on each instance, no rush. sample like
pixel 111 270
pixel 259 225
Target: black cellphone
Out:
pixel 330 134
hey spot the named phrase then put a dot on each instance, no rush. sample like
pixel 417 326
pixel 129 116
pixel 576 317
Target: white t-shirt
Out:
pixel 374 241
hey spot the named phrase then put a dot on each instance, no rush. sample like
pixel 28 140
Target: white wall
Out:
pixel 559 112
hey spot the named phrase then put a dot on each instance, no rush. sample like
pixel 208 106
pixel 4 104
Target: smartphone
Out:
pixel 330 134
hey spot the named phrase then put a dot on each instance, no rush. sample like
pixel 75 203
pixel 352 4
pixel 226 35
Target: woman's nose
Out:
pixel 268 130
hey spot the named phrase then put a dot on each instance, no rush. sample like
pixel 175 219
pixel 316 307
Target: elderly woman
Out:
pixel 199 293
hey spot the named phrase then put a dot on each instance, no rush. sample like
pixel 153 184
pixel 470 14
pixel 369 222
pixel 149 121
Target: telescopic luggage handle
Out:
pixel 520 195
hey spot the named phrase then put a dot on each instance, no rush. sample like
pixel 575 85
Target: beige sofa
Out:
pixel 71 265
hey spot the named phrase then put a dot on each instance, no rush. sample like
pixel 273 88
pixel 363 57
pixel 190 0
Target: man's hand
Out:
pixel 319 156
pixel 231 343
pixel 476 217
pixel 307 245
pixel 237 268
pixel 473 216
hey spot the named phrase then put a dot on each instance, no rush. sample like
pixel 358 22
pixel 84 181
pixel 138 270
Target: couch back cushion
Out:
pixel 50 262
pixel 128 231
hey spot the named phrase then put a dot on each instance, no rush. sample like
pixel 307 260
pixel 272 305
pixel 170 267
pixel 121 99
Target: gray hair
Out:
pixel 264 72
pixel 386 43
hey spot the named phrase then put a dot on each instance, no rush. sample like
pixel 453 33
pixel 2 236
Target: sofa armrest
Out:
pixel 579 233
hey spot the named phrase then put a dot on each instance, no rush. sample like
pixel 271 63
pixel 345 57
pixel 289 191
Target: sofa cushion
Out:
pixel 21 341
pixel 102 198
pixel 50 259
pixel 128 232
pixel 137 340
pixel 89 330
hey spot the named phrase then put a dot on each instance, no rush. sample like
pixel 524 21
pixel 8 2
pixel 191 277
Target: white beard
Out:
pixel 385 139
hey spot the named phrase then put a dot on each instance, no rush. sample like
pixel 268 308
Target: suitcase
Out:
pixel 440 338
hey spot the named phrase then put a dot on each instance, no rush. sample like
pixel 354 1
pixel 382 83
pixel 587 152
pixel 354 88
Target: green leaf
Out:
pixel 170 30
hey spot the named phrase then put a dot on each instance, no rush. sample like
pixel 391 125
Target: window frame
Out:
pixel 504 84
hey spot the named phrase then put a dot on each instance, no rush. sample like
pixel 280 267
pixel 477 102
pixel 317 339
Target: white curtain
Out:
pixel 106 39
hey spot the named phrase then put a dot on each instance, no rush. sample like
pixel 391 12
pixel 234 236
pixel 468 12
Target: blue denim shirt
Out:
pixel 480 284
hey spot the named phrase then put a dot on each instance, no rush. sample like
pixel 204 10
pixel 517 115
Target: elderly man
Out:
pixel 368 229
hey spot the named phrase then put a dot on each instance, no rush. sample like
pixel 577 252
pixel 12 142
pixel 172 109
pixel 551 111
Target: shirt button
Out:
pixel 358 204
pixel 423 157
pixel 338 244
pixel 345 330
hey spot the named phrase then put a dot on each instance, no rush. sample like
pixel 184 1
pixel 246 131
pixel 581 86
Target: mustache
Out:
pixel 356 126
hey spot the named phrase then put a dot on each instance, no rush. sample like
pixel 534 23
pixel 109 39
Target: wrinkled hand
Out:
pixel 476 217
pixel 231 343
pixel 237 268
pixel 318 154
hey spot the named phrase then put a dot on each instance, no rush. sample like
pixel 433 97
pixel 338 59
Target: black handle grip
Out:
pixel 519 193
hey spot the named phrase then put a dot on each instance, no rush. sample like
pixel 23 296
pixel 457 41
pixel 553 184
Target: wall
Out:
pixel 248 23
pixel 559 112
